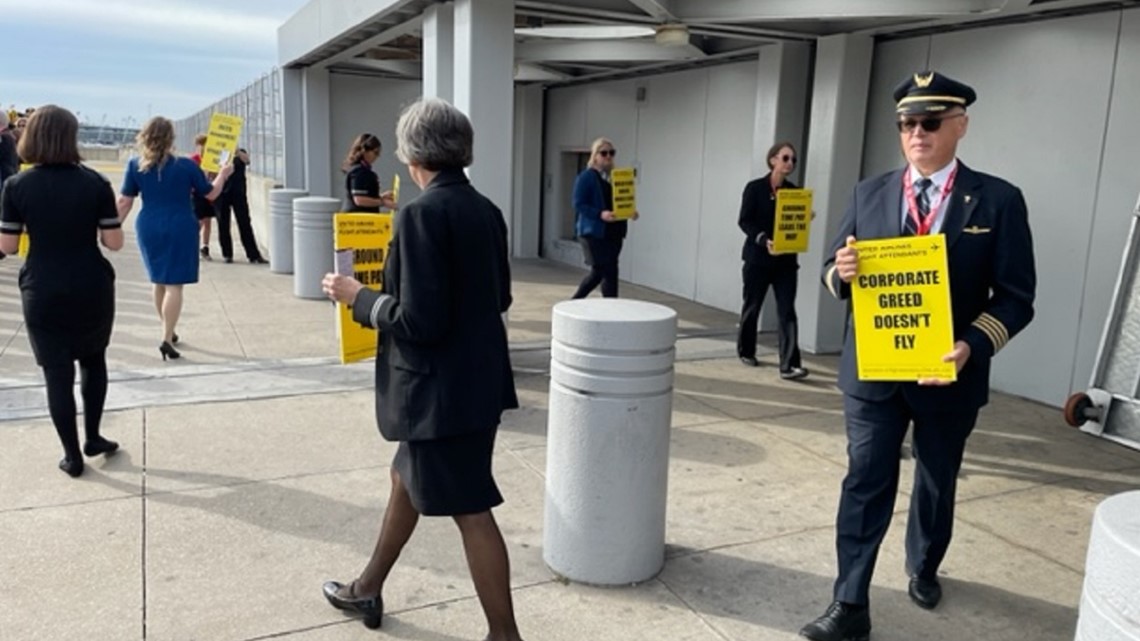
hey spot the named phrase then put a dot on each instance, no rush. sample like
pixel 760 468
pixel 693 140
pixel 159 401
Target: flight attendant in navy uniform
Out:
pixel 992 285
pixel 361 186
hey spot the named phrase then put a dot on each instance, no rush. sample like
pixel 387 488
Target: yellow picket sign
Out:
pixel 25 244
pixel 396 189
pixel 793 221
pixel 901 308
pixel 625 193
pixel 221 141
pixel 361 244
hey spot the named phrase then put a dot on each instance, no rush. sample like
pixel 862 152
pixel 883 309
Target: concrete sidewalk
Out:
pixel 252 471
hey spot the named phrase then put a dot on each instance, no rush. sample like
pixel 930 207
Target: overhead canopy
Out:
pixel 383 37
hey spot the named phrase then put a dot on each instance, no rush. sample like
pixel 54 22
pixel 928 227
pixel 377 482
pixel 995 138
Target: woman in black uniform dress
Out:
pixel 67 286
pixel 361 186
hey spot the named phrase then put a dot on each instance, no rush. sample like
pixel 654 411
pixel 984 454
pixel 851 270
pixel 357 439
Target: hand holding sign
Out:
pixel 847 261
pixel 958 356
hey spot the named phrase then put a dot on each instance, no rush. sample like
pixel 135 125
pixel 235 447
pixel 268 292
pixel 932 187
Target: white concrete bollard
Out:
pixel 1110 602
pixel 607 455
pixel 281 229
pixel 312 244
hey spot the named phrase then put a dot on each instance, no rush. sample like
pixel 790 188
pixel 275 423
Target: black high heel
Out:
pixel 73 466
pixel 372 608
pixel 100 445
pixel 168 351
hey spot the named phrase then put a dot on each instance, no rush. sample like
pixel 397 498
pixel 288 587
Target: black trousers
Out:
pixel 875 432
pixel 602 257
pixel 758 277
pixel 240 207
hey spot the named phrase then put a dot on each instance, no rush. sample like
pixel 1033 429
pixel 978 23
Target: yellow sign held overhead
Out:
pixel 793 221
pixel 221 141
pixel 901 308
pixel 625 193
pixel 361 247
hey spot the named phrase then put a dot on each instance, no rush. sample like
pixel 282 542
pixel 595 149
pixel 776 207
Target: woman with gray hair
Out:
pixel 443 372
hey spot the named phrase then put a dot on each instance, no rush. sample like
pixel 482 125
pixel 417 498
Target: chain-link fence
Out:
pixel 259 106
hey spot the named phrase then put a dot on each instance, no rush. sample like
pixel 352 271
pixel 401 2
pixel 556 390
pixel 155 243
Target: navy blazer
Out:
pixel 443 366
pixel 992 277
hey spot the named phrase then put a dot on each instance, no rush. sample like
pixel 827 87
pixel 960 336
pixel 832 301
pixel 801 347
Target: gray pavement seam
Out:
pixel 143 498
pixel 682 553
pixel 705 620
pixel 985 528
pixel 229 321
pixel 11 338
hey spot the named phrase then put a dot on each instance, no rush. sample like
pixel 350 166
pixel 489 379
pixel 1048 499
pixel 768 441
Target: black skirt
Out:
pixel 449 476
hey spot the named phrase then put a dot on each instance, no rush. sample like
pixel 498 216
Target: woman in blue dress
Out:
pixel 166 227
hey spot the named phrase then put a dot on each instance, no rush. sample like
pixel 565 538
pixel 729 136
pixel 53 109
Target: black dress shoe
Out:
pixel 750 361
pixel 73 466
pixel 100 445
pixel 925 592
pixel 258 261
pixel 841 622
pixel 372 608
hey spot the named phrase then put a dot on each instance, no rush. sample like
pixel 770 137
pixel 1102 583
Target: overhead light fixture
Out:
pixel 672 35
pixel 587 32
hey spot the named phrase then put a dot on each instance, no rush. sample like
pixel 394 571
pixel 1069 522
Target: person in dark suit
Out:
pixel 443 372
pixel 67 286
pixel 764 268
pixel 992 285
pixel 600 233
pixel 233 198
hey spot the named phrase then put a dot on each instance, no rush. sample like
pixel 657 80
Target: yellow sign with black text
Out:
pixel 901 308
pixel 221 141
pixel 361 247
pixel 625 192
pixel 793 221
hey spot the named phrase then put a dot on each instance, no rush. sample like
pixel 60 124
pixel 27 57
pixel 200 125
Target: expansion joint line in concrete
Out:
pixel 143 562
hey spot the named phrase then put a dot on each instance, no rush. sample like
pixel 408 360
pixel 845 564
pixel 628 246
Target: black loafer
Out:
pixel 841 622
pixel 371 608
pixel 750 361
pixel 925 592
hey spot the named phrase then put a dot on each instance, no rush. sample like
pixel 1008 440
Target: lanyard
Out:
pixel 922 227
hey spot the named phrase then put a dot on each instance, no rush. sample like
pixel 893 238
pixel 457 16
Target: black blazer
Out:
pixel 443 367
pixel 758 222
pixel 992 277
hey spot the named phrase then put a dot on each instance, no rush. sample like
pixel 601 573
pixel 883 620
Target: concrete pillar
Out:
pixel 484 90
pixel 834 162
pixel 293 131
pixel 781 114
pixel 1110 610
pixel 527 205
pixel 607 461
pixel 313 255
pixel 439 51
pixel 316 127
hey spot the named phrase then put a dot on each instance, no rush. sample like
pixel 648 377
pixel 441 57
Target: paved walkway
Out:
pixel 251 471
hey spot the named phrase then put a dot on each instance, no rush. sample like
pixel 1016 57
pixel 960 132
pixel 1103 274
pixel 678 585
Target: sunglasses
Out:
pixel 787 158
pixel 929 125
pixel 607 152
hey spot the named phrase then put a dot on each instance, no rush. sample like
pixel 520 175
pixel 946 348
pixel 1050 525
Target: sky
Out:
pixel 118 62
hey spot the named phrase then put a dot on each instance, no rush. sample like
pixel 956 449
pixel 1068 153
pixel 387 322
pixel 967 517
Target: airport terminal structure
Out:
pixel 692 92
